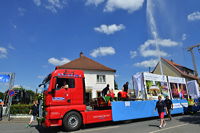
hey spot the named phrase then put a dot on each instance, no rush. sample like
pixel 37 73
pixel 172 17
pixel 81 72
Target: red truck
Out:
pixel 65 102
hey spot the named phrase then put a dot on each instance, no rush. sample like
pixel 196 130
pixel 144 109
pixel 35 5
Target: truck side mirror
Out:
pixel 40 85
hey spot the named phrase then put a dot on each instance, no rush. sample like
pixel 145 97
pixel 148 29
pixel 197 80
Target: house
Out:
pixel 171 68
pixel 97 76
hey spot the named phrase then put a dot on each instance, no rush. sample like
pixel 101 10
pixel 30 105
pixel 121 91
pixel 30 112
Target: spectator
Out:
pixel 105 90
pixel 1 109
pixel 34 112
pixel 161 107
pixel 191 104
pixel 169 106
pixel 112 94
pixel 65 85
pixel 125 86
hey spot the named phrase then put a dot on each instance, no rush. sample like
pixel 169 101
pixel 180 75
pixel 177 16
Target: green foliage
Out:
pixel 40 119
pixel 40 96
pixel 19 88
pixel 31 94
pixel 149 83
pixel 1 95
pixel 20 108
pixel 23 96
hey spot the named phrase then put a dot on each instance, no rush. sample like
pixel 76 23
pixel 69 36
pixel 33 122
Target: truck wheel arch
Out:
pixel 72 120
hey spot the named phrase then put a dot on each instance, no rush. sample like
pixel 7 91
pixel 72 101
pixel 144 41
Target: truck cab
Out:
pixel 64 101
pixel 66 87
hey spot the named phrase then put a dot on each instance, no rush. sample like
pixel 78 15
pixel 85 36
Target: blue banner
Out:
pixel 4 78
pixel 127 110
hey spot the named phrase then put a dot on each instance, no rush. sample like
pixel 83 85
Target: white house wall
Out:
pixel 91 81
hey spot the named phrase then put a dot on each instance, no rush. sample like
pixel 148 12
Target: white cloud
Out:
pixel 37 2
pixel 129 5
pixel 184 37
pixel 194 16
pixel 147 63
pixel 3 52
pixel 14 26
pixel 10 46
pixel 94 2
pixel 102 51
pixel 109 29
pixel 40 76
pixel 145 51
pixel 24 86
pixel 116 75
pixel 21 11
pixel 54 5
pixel 58 62
pixel 156 53
pixel 133 54
pixel 17 86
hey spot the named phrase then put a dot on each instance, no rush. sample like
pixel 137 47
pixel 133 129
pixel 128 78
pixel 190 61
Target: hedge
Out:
pixel 20 108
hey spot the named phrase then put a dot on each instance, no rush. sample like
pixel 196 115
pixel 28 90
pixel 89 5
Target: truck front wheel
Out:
pixel 72 121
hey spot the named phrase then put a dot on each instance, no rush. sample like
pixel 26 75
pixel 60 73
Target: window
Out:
pixel 63 81
pixel 101 79
pixel 88 97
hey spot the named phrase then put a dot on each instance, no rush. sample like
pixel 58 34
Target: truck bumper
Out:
pixel 52 122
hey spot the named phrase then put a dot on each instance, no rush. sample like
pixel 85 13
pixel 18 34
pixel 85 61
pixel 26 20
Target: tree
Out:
pixel 1 95
pixel 23 96
pixel 18 97
pixel 30 95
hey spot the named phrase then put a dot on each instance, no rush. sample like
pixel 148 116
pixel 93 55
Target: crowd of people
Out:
pixel 110 92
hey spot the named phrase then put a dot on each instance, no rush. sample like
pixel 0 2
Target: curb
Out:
pixel 16 118
pixel 20 116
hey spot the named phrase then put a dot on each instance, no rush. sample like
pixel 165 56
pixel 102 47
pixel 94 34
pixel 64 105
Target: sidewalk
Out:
pixel 16 118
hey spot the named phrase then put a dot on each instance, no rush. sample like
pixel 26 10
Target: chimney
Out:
pixel 81 54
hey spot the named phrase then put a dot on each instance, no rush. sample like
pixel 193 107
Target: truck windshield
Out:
pixel 46 86
pixel 46 82
pixel 65 81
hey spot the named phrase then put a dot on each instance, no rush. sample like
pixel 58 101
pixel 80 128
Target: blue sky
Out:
pixel 37 35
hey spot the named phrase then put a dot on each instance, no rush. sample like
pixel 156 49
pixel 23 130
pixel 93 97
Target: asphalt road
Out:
pixel 179 124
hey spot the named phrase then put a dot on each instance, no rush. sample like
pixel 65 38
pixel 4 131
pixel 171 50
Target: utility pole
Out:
pixel 190 49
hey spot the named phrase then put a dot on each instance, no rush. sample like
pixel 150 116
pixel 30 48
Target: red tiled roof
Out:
pixel 85 63
pixel 174 65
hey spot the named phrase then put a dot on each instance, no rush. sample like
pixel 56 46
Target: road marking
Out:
pixel 97 129
pixel 168 128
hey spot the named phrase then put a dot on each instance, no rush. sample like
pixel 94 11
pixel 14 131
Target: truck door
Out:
pixel 62 93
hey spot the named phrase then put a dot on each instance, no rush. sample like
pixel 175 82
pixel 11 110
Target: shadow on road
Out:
pixel 111 123
pixel 48 130
pixel 153 125
pixel 192 119
pixel 92 126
